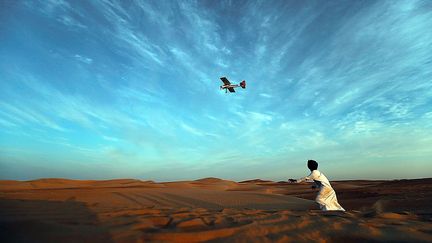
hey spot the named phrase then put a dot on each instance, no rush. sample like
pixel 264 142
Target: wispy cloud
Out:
pixel 136 84
pixel 83 59
pixel 192 130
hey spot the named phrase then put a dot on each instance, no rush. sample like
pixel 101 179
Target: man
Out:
pixel 326 197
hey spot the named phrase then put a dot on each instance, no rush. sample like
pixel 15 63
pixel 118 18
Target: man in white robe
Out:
pixel 326 197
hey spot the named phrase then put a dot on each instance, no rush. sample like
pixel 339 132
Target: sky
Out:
pixel 107 89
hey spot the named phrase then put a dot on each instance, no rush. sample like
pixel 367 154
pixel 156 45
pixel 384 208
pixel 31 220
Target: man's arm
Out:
pixel 313 175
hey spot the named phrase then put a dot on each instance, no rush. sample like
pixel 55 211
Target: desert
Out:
pixel 212 210
pixel 215 121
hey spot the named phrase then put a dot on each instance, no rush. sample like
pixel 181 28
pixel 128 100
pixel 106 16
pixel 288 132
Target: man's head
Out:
pixel 312 165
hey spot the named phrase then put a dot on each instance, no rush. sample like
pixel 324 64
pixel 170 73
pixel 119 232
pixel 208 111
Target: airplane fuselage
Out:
pixel 227 86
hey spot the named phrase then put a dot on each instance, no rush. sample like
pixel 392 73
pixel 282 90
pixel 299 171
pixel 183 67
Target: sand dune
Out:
pixel 211 209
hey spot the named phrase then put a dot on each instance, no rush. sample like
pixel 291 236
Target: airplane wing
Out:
pixel 231 90
pixel 225 81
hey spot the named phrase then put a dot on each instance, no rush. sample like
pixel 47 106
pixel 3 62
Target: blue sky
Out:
pixel 130 89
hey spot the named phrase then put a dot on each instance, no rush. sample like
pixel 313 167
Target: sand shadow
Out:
pixel 49 221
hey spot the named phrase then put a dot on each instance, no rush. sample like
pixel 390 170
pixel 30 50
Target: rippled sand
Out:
pixel 59 210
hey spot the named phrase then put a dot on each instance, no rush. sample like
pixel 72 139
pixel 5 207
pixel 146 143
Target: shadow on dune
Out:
pixel 49 221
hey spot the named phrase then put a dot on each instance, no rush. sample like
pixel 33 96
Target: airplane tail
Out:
pixel 243 84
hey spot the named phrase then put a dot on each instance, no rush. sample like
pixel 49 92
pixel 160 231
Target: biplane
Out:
pixel 230 87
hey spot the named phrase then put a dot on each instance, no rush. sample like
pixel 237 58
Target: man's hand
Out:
pixel 292 180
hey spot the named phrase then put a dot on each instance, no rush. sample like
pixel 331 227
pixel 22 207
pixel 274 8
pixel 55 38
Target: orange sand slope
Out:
pixel 60 210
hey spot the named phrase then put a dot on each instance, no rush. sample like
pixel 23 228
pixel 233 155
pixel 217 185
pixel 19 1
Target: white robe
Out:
pixel 326 197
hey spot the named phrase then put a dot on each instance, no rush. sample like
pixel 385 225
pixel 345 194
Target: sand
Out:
pixel 212 210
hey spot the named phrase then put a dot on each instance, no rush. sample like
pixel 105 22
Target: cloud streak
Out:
pixel 132 87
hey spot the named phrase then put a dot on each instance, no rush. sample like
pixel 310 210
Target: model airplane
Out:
pixel 228 86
